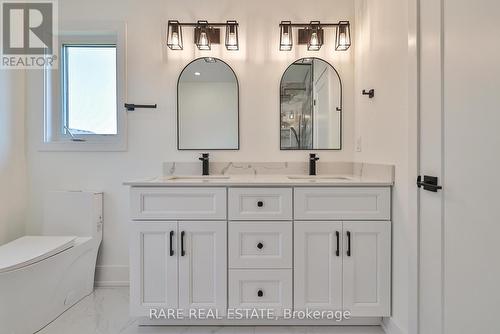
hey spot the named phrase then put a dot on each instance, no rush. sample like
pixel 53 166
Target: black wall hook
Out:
pixel 131 106
pixel 370 93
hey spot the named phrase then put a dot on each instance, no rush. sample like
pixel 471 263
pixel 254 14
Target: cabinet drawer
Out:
pixel 260 203
pixel 342 203
pixel 260 245
pixel 178 203
pixel 261 289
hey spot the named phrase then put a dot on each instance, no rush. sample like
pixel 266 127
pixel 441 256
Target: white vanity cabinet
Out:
pixel 265 247
pixel 342 259
pixel 343 265
pixel 178 263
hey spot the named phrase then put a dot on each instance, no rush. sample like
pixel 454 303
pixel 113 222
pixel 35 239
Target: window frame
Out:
pixel 55 137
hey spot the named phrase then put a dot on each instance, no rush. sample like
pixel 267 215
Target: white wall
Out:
pixel 13 184
pixel 152 78
pixel 381 62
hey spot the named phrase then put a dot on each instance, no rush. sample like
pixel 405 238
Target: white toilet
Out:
pixel 42 276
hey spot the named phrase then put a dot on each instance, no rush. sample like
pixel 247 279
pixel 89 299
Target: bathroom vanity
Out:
pixel 271 241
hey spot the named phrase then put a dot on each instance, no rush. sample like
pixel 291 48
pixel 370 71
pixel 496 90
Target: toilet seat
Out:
pixel 31 249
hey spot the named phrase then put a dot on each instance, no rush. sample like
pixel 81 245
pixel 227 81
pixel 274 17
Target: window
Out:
pixel 89 90
pixel 83 100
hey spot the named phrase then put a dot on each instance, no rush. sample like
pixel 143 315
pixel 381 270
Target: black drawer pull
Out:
pixel 183 252
pixel 260 204
pixel 337 252
pixel 260 293
pixel 260 245
pixel 348 243
pixel 171 243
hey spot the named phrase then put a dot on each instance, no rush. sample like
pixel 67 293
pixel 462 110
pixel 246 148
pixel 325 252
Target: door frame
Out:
pixel 413 164
pixel 415 235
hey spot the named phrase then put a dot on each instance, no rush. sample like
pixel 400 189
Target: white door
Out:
pixel 367 268
pixel 203 266
pixel 459 142
pixel 318 265
pixel 153 267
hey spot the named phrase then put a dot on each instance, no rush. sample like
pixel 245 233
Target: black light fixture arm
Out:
pixel 305 25
pixel 210 24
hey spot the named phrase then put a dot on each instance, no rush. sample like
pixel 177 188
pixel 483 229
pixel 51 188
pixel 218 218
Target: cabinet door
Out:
pixel 153 268
pixel 367 268
pixel 203 266
pixel 317 265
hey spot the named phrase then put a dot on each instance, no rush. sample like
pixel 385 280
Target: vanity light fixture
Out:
pixel 232 35
pixel 312 35
pixel 206 34
pixel 286 38
pixel 174 35
pixel 315 36
pixel 343 36
pixel 202 36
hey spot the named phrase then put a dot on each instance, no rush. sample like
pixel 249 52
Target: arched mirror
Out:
pixel 207 106
pixel 311 106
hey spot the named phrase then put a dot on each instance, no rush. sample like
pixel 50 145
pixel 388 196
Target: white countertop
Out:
pixel 263 180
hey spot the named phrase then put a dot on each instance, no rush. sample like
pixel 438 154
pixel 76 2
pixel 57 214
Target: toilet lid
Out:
pixel 31 249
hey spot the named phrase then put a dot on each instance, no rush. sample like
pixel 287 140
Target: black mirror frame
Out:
pixel 341 110
pixel 177 102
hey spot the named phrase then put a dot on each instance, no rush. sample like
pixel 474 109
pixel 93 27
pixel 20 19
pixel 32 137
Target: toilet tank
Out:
pixel 75 213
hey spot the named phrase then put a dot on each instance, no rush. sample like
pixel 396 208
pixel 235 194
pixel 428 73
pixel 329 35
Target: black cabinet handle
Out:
pixel 182 243
pixel 348 243
pixel 260 245
pixel 171 243
pixel 337 233
pixel 260 204
pixel 260 293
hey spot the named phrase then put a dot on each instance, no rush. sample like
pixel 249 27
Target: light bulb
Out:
pixel 203 39
pixel 286 38
pixel 232 39
pixel 314 39
pixel 175 38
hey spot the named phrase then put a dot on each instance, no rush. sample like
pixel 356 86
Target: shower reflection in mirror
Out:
pixel 311 106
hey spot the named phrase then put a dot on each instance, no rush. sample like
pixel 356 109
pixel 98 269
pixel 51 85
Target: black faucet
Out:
pixel 312 163
pixel 205 160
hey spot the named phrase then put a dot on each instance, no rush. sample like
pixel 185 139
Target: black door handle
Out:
pixel 171 243
pixel 260 293
pixel 182 243
pixel 338 243
pixel 260 204
pixel 348 243
pixel 260 245
pixel 430 183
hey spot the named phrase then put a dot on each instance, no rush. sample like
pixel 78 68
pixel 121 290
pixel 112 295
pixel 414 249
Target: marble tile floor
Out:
pixel 106 312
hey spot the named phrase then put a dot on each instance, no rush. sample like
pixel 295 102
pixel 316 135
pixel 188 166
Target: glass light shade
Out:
pixel 343 36
pixel 286 38
pixel 174 35
pixel 203 34
pixel 315 37
pixel 232 35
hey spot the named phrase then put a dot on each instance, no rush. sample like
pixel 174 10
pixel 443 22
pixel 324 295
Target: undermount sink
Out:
pixel 199 177
pixel 319 177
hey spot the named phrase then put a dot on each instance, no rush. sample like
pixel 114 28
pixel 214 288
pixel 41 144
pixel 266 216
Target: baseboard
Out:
pixel 391 327
pixel 111 276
